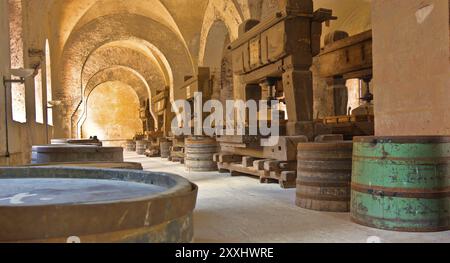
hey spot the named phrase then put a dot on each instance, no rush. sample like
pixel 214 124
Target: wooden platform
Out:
pixel 153 151
pixel 267 170
pixel 177 154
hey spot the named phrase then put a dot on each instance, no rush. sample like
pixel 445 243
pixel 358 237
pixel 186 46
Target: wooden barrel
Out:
pixel 130 146
pixel 401 183
pixel 199 154
pixel 335 36
pixel 141 147
pixel 75 153
pixel 324 176
pixel 94 206
pixel 99 165
pixel 165 149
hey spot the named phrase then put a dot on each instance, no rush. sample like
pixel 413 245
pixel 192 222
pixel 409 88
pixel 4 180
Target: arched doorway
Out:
pixel 218 59
pixel 112 112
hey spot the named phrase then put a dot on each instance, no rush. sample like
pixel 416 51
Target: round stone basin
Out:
pixel 97 165
pixel 67 153
pixel 27 192
pixel 56 204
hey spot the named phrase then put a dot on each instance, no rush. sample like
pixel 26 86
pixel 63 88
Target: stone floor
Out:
pixel 240 209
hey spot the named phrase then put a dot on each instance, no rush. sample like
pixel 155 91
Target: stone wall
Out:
pixel 411 58
pixel 113 112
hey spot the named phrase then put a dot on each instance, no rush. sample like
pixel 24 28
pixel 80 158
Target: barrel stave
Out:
pixel 402 183
pixel 324 176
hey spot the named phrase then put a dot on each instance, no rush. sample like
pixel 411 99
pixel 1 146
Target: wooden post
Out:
pixel 299 98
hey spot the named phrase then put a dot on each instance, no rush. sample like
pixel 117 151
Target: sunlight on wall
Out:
pixel 48 71
pixel 19 113
pixel 112 112
pixel 354 93
pixel 38 97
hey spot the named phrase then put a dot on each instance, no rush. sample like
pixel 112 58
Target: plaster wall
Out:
pixel 113 112
pixel 411 67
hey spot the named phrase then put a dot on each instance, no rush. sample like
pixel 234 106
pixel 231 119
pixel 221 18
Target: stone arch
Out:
pixel 108 29
pixel 126 75
pixel 118 56
pixel 219 10
pixel 218 58
pixel 122 118
pixel 108 56
pixel 149 51
pixel 215 44
pixel 69 16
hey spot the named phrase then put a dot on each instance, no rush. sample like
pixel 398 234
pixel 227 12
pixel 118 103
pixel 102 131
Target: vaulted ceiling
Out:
pixel 152 43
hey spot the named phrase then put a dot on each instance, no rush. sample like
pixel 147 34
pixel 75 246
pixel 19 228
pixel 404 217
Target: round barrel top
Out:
pixel 64 148
pixel 55 191
pixel 402 139
pixel 170 183
pixel 106 165
pixel 200 140
pixel 325 146
pixel 65 202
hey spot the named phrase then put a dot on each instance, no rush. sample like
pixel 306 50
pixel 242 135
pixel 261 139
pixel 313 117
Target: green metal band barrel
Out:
pixel 324 176
pixel 401 183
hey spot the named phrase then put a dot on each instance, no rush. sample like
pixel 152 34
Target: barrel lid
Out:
pixel 65 218
pixel 64 148
pixel 402 139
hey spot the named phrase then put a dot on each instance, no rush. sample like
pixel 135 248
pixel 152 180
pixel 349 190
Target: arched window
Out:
pixel 19 113
pixel 48 71
pixel 38 97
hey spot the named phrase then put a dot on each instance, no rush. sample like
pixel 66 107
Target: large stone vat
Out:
pixel 94 205
pixel 75 153
pixel 99 165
